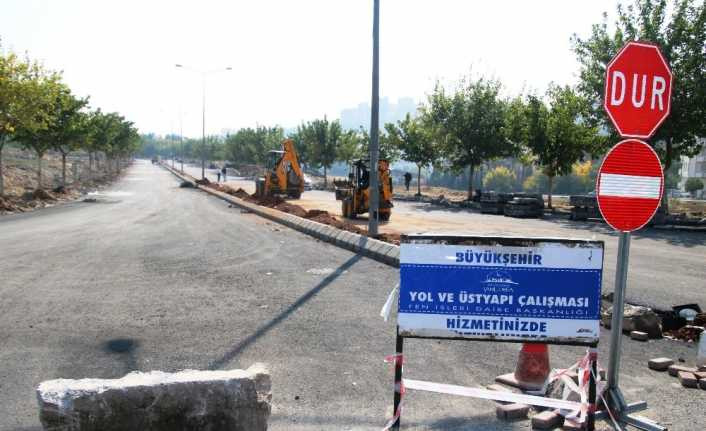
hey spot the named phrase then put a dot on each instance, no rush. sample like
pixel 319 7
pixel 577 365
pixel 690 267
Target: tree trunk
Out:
pixel 549 195
pixel 2 180
pixel 470 183
pixel 325 179
pixel 39 170
pixel 419 180
pixel 90 166
pixel 667 165
pixel 63 169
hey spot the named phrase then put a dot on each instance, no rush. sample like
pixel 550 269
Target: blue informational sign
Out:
pixel 503 288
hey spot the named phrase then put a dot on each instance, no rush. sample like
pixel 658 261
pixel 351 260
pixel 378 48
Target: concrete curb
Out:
pixel 381 251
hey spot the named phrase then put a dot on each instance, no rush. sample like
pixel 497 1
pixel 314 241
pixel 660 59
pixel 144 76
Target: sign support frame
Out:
pixel 615 396
pixel 591 414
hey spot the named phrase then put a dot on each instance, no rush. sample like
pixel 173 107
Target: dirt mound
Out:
pixel 203 182
pixel 392 238
pixel 240 193
pixel 60 190
pixel 314 213
pixel 6 205
pixel 42 194
pixel 292 209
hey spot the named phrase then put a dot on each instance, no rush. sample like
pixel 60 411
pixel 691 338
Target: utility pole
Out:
pixel 203 111
pixel 203 126
pixel 374 125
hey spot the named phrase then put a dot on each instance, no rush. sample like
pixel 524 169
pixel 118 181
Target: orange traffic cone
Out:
pixel 532 366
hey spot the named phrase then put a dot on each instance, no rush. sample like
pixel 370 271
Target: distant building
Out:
pixel 355 118
pixel 694 167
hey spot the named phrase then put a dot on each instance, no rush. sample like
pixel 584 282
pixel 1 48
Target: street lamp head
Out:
pixel 179 65
pixel 229 68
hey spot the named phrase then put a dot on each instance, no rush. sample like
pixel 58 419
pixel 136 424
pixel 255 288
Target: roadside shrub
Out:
pixel 500 179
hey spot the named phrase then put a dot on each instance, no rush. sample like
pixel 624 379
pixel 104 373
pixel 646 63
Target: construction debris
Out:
pixel 660 364
pixel 689 333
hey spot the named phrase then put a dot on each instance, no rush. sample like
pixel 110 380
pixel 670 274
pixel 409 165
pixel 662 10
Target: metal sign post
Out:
pixel 615 397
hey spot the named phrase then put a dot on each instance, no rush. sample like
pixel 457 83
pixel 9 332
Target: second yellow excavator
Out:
pixel 354 193
pixel 283 175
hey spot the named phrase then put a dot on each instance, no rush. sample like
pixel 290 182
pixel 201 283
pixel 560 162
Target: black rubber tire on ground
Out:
pixel 295 195
pixel 384 216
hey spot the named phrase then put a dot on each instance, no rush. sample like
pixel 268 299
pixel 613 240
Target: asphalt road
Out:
pixel 157 277
pixel 667 267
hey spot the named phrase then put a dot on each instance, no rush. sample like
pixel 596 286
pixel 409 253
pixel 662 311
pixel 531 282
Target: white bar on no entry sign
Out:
pixel 629 186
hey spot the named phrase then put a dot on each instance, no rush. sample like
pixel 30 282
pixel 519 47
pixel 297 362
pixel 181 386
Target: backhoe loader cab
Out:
pixel 354 193
pixel 283 175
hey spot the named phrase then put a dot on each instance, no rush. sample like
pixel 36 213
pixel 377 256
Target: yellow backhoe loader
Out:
pixel 354 193
pixel 283 175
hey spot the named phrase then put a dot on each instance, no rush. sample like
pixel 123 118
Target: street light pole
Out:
pixel 203 111
pixel 203 125
pixel 374 120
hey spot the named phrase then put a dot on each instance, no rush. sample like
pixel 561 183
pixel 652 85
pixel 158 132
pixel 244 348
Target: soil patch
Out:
pixel 319 216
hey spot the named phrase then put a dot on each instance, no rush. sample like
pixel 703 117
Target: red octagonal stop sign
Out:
pixel 638 89
pixel 629 185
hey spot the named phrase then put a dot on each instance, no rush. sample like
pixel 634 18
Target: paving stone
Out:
pixel 688 380
pixel 510 412
pixel 546 420
pixel 701 375
pixel 674 369
pixel 660 364
pixel 639 336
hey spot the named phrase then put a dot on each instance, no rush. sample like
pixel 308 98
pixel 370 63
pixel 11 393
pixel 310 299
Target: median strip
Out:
pixel 354 241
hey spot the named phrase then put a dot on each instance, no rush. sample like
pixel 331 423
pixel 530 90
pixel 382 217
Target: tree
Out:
pixel 387 149
pixel 557 135
pixel 415 142
pixel 21 101
pixel 349 147
pixel 693 185
pixel 682 40
pixel 39 134
pixel 324 137
pixel 68 130
pixel 501 180
pixel 470 124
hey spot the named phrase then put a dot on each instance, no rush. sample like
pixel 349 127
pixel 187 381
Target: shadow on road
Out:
pixel 264 329
pixel 124 349
pixel 470 422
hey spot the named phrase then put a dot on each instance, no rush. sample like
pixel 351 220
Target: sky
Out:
pixel 291 61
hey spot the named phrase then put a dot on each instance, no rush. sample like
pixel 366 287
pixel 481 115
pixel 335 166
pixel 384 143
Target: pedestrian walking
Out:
pixel 407 180
pixel 223 171
pixel 219 176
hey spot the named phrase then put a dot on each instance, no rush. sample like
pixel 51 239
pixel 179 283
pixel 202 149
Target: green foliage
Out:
pixel 470 124
pixel 682 40
pixel 500 179
pixel 350 147
pixel 693 185
pixel 413 140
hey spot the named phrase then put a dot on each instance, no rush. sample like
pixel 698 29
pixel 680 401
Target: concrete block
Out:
pixel 674 370
pixel 660 364
pixel 508 412
pixel 701 368
pixel 572 426
pixel 547 420
pixel 158 401
pixel 688 380
pixel 701 375
pixel 639 336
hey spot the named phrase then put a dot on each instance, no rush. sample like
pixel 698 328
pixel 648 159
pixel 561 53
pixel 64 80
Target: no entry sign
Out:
pixel 638 88
pixel 629 185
